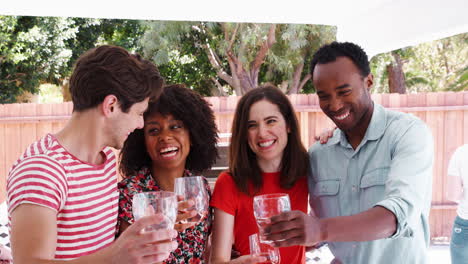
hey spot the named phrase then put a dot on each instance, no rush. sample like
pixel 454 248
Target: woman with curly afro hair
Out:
pixel 178 140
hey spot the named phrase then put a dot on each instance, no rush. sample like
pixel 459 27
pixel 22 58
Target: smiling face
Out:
pixel 344 95
pixel 167 141
pixel 267 133
pixel 125 123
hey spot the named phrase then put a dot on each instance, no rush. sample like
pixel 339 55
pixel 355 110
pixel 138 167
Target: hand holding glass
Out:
pixel 268 205
pixel 193 188
pixel 259 249
pixel 150 203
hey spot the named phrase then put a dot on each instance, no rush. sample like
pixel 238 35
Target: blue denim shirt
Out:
pixel 392 168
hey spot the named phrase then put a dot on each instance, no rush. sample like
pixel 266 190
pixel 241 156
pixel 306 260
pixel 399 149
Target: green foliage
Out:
pixel 177 49
pixel 49 93
pixel 459 80
pixel 35 50
pixel 167 42
pixel 296 44
pixel 439 65
pixel 92 32
pixel 378 65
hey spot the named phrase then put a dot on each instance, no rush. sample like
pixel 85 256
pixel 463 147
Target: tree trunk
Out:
pixel 297 83
pixel 396 76
pixel 243 78
pixel 66 90
pixel 248 77
pixel 218 89
pixel 296 78
pixel 283 86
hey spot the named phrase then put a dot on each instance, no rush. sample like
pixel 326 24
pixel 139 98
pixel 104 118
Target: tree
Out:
pixel 438 65
pixel 290 57
pixel 175 48
pixel 33 51
pixel 241 55
pixel 396 76
pixel 92 32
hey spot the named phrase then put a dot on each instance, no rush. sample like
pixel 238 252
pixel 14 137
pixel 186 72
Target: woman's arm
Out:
pixel 222 238
pixel 454 188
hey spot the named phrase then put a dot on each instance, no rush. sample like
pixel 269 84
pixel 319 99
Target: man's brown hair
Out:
pixel 107 70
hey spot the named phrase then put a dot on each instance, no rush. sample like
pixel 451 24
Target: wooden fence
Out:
pixel 445 113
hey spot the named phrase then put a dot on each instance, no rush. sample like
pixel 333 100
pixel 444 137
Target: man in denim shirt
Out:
pixel 371 184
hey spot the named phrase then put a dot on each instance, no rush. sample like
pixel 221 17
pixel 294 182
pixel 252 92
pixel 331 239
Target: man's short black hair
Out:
pixel 330 52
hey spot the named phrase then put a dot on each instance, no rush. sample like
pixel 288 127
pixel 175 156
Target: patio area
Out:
pixel 437 254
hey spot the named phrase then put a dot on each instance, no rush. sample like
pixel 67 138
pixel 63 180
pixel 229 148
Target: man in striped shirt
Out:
pixel 62 193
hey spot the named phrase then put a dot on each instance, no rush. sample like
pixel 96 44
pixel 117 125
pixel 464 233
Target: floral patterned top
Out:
pixel 192 241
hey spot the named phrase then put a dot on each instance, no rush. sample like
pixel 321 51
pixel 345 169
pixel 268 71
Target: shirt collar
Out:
pixel 147 172
pixel 375 130
pixel 377 124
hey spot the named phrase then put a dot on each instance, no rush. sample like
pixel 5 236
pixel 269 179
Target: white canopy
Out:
pixel 377 25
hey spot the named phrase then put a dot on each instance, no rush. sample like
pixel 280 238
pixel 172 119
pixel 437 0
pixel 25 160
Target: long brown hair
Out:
pixel 243 164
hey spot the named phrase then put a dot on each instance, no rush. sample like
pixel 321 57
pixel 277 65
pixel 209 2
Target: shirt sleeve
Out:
pixel 454 164
pixel 37 180
pixel 225 194
pixel 408 189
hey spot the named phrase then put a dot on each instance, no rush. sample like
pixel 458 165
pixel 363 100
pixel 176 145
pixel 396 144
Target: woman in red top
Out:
pixel 266 155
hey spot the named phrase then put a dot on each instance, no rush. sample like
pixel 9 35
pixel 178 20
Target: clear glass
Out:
pixel 258 248
pixel 150 203
pixel 268 205
pixel 193 188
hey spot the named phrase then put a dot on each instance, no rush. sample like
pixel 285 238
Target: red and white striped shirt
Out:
pixel 84 195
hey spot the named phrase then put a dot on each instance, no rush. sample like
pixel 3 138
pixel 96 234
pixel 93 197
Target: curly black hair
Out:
pixel 329 52
pixel 195 113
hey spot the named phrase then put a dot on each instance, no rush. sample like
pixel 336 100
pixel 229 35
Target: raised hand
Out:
pixel 326 134
pixel 248 259
pixel 186 210
pixel 294 228
pixel 137 246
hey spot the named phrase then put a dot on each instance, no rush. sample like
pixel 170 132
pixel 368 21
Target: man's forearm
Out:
pixel 375 223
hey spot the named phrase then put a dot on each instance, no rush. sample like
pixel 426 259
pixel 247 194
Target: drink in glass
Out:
pixel 160 202
pixel 268 205
pixel 193 188
pixel 259 249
